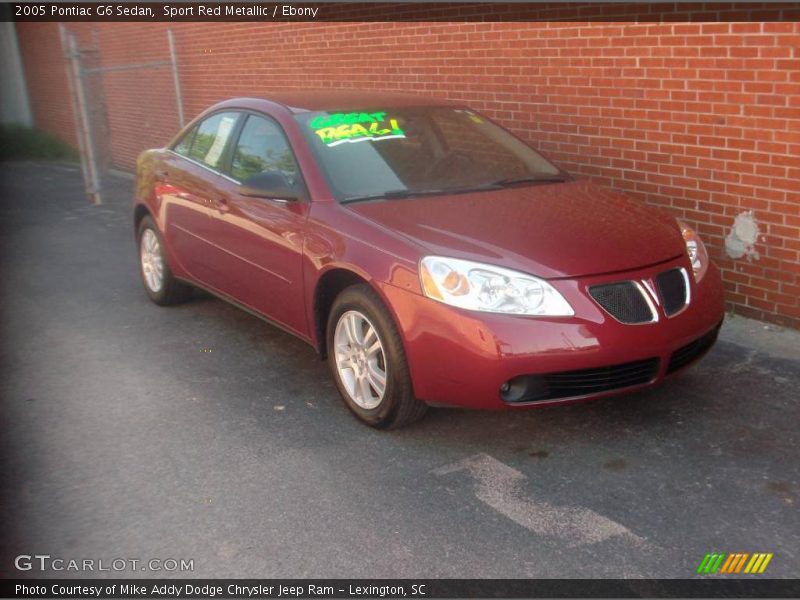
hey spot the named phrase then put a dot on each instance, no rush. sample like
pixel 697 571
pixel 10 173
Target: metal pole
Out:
pixel 93 179
pixel 91 154
pixel 147 65
pixel 174 58
pixel 78 123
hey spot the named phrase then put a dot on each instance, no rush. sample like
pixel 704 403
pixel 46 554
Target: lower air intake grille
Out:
pixel 623 301
pixel 571 384
pixel 692 351
pixel 672 289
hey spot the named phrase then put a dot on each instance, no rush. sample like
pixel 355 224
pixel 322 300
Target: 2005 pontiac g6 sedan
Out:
pixel 428 253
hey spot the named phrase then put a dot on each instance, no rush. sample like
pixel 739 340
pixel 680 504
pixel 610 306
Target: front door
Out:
pixel 259 241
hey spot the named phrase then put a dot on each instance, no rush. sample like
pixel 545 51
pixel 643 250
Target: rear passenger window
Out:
pixel 212 137
pixel 262 147
pixel 185 144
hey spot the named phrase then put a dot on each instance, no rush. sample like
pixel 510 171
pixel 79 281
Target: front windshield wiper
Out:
pixel 495 185
pixel 400 194
pixel 508 181
pixel 391 195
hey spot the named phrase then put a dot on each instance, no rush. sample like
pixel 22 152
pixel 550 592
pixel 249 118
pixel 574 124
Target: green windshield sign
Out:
pixel 342 128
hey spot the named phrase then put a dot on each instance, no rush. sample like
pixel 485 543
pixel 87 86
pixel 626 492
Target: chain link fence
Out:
pixel 88 77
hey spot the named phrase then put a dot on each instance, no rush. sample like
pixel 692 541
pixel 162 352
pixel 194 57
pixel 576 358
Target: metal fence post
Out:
pixel 174 59
pixel 79 133
pixel 79 109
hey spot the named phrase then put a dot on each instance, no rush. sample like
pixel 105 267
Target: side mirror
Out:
pixel 269 184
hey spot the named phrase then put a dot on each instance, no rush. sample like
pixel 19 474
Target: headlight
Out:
pixel 696 250
pixel 475 286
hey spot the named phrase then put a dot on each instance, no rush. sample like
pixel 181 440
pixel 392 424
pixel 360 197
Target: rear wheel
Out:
pixel 366 357
pixel 159 283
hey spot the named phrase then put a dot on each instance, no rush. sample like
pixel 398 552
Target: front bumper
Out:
pixel 462 358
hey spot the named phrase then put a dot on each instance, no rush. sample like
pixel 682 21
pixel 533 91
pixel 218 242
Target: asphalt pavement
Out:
pixel 199 432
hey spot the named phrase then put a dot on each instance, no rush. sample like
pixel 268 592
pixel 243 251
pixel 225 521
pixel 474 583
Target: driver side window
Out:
pixel 262 147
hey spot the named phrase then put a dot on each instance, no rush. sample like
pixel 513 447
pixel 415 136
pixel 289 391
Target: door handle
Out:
pixel 221 204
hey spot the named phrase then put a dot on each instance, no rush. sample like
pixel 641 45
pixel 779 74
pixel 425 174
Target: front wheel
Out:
pixel 366 357
pixel 159 283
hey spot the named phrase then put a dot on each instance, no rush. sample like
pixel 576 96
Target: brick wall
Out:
pixel 700 118
pixel 46 77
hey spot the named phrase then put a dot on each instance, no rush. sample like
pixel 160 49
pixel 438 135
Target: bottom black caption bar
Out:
pixel 400 588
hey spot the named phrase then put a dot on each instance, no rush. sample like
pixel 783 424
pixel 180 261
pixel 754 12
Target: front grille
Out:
pixel 673 291
pixel 624 301
pixel 692 351
pixel 570 384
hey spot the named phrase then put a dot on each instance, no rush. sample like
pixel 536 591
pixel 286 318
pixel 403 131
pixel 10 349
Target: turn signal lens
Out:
pixel 428 286
pixel 455 284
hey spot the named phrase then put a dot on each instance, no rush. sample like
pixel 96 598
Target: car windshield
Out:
pixel 386 153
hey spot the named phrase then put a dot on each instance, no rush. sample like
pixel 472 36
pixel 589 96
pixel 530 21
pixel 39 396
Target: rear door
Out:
pixel 259 241
pixel 188 184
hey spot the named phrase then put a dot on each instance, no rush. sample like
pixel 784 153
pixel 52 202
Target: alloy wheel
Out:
pixel 152 261
pixel 360 359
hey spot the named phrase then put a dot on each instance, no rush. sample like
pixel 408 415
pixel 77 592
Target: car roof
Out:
pixel 340 100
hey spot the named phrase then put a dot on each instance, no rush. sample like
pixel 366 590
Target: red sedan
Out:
pixel 428 253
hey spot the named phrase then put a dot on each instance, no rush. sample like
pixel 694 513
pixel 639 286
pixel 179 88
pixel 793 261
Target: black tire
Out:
pixel 398 407
pixel 172 291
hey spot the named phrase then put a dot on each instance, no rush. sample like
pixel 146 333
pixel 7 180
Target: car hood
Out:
pixel 556 230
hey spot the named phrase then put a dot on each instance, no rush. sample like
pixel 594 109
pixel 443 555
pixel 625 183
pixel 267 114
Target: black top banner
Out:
pixel 702 587
pixel 66 11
